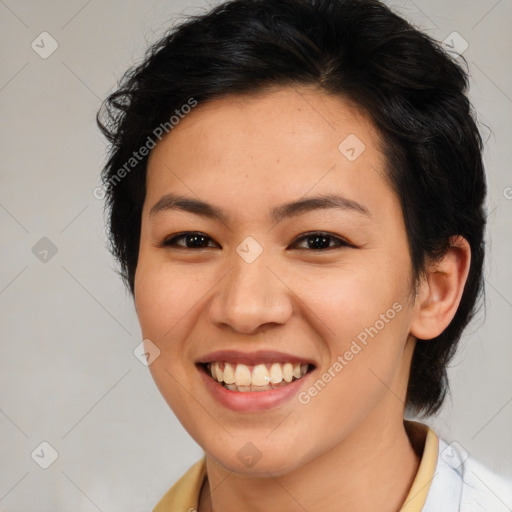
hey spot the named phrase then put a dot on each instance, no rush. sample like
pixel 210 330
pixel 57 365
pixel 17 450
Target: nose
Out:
pixel 252 296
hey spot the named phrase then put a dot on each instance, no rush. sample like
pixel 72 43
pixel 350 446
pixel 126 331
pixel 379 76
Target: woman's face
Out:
pixel 272 280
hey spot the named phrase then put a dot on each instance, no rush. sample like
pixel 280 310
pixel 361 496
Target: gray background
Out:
pixel 68 328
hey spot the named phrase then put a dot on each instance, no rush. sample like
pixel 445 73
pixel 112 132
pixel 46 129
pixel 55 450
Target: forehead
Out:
pixel 268 148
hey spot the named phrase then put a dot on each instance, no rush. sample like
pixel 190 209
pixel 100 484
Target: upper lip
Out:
pixel 252 358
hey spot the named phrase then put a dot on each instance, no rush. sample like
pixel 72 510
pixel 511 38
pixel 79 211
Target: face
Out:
pixel 272 250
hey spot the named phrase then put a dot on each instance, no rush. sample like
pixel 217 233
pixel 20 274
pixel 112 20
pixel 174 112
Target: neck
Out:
pixel 372 469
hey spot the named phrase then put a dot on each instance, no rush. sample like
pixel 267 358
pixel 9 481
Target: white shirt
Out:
pixel 461 484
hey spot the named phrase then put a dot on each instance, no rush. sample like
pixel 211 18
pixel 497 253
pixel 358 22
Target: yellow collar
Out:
pixel 427 450
pixel 184 494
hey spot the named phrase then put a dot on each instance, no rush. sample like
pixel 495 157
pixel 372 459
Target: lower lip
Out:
pixel 251 400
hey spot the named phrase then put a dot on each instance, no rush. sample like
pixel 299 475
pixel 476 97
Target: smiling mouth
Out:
pixel 260 377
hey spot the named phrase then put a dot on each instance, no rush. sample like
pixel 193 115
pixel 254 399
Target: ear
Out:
pixel 440 290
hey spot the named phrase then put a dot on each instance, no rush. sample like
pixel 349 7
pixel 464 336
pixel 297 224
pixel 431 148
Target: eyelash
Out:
pixel 171 242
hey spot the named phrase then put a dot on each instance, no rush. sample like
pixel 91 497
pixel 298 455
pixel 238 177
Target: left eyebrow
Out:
pixel 317 203
pixel 292 209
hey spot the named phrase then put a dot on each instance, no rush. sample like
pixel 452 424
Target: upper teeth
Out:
pixel 258 375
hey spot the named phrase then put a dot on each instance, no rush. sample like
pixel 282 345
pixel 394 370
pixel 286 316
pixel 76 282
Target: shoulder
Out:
pixel 463 484
pixel 483 489
pixel 184 494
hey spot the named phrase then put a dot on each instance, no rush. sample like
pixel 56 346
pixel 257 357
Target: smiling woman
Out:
pixel 305 248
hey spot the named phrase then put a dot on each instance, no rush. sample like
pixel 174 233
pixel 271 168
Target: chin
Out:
pixel 252 462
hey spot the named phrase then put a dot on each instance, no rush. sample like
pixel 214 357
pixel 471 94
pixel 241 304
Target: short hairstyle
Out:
pixel 412 91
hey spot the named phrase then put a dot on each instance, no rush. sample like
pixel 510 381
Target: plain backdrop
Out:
pixel 69 376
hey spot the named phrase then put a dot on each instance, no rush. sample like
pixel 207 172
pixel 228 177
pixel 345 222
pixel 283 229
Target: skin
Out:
pixel 347 448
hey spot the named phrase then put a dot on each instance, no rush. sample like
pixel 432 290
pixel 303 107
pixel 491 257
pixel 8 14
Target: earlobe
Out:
pixel 440 291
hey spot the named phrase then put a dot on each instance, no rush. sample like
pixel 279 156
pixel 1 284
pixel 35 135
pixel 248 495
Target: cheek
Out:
pixel 162 300
pixel 163 296
pixel 362 317
pixel 346 301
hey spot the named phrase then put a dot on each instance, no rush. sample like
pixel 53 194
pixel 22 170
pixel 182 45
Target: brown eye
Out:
pixel 189 240
pixel 319 241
